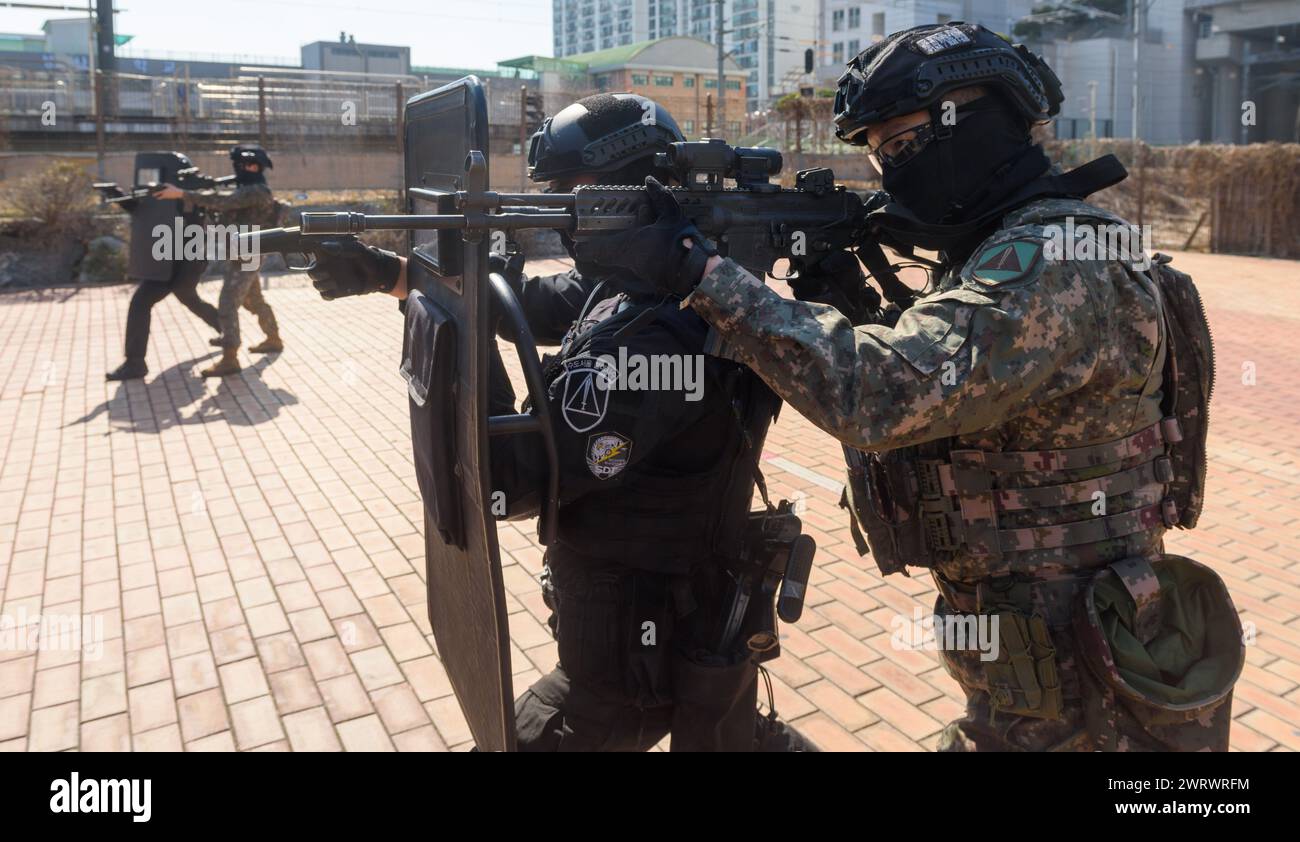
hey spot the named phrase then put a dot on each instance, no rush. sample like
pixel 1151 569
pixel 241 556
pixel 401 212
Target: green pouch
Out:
pixel 1163 685
pixel 1025 679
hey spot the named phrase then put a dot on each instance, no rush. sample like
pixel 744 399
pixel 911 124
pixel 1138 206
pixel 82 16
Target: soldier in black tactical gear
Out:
pixel 656 477
pixel 250 203
pixel 180 279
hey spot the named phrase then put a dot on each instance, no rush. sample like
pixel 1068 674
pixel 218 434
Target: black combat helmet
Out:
pixel 603 134
pixel 250 153
pixel 917 68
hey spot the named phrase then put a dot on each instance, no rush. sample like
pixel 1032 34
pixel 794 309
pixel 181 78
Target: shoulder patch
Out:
pixel 607 454
pixel 586 382
pixel 1007 261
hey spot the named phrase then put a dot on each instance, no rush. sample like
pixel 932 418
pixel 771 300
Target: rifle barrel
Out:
pixel 316 224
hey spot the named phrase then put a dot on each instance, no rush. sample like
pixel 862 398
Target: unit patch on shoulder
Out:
pixel 944 39
pixel 607 454
pixel 1007 262
pixel 587 382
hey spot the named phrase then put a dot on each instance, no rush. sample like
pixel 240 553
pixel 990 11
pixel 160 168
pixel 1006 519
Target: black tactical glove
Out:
pixel 346 266
pixel 651 259
pixel 838 280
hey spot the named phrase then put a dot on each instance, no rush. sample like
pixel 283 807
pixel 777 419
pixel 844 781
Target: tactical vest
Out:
pixel 918 505
pixel 656 520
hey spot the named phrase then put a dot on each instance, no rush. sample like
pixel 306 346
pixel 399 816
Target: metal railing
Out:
pixel 275 102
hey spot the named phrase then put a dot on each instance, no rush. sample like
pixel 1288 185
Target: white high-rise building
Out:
pixel 849 26
pixel 766 37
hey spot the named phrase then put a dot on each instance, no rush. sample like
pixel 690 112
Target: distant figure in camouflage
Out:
pixel 1015 428
pixel 250 203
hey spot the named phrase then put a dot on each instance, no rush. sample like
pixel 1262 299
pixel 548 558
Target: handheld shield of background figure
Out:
pixel 445 362
pixel 155 168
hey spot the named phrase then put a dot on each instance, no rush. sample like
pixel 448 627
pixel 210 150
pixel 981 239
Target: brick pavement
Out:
pixel 250 549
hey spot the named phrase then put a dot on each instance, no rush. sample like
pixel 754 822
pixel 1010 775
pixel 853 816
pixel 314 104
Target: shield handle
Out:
pixel 539 422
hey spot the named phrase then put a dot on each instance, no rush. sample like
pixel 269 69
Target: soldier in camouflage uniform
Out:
pixel 250 203
pixel 1004 429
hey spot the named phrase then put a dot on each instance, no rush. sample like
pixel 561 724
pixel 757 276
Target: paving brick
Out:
pixel 202 714
pixel 311 730
pixel 255 722
pixel 152 705
pixel 420 739
pixel 112 733
pixel 54 728
pixel 223 741
pixel 345 698
pixel 294 690
pixel 365 734
pixel 243 680
pixel 103 695
pixel 826 734
pixel 52 686
pixel 376 667
pixel 838 705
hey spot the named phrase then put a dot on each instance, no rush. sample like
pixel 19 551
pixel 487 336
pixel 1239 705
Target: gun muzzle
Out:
pixel 342 222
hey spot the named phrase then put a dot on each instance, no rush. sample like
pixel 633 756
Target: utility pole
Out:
pixel 107 55
pixel 90 48
pixel 1092 109
pixel 722 61
pixel 523 138
pixel 1137 40
pixel 107 44
pixel 261 111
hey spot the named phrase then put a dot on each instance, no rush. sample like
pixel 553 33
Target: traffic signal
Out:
pixel 808 60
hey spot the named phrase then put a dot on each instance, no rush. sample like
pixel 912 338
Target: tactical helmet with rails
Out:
pixel 918 68
pixel 250 153
pixel 615 136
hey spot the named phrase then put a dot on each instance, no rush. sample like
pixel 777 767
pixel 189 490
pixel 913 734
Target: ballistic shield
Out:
pixel 155 168
pixel 445 362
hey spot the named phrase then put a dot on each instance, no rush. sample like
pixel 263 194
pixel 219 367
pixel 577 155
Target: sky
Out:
pixel 441 33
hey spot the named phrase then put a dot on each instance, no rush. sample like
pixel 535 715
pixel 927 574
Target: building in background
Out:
pixel 1246 53
pixel 848 27
pixel 767 38
pixel 678 72
pixel 347 56
pixel 1203 70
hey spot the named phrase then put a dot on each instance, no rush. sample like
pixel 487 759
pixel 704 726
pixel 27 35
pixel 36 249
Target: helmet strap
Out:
pixel 943 137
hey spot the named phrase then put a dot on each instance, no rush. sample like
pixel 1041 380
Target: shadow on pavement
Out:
pixel 160 403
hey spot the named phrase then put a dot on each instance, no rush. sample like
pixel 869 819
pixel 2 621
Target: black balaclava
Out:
pixel 243 176
pixel 985 157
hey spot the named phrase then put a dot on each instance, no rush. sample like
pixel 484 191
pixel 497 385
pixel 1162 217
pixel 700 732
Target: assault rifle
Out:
pixel 190 178
pixel 756 223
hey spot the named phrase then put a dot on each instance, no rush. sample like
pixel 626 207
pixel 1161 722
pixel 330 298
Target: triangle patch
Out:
pixel 1007 261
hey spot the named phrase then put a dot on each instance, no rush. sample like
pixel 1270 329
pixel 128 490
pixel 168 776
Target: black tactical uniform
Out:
pixel 183 283
pixel 655 486
pixel 655 483
pixel 654 491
